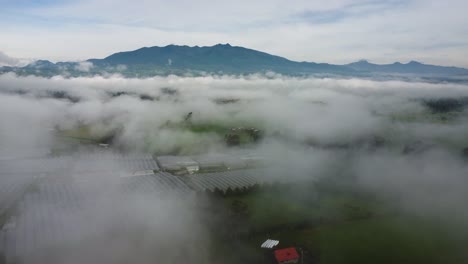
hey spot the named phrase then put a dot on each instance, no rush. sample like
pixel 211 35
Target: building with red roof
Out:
pixel 286 255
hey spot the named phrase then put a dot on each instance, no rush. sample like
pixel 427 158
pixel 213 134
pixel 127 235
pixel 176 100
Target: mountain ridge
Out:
pixel 220 59
pixel 410 67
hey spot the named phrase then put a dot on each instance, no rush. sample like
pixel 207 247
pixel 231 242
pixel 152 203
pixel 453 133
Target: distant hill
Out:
pixel 221 59
pixel 412 67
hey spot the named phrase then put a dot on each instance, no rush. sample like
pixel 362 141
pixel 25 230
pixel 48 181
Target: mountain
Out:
pixel 219 58
pixel 412 67
pixel 223 59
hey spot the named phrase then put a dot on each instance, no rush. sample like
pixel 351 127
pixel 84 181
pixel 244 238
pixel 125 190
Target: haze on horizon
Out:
pixel 337 31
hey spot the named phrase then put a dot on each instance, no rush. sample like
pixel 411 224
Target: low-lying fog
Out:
pixel 384 133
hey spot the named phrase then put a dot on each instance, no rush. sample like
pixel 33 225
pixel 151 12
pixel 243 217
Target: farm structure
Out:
pixel 286 255
pixel 45 201
pixel 58 211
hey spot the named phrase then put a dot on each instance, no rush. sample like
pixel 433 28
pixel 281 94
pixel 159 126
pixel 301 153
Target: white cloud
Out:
pixel 84 66
pixel 292 111
pixel 6 60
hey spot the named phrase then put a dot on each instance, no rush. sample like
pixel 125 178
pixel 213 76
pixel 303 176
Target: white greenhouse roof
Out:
pixel 270 243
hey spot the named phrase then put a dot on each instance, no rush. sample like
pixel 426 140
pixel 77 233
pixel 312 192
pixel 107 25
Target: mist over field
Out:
pixel 233 132
pixel 382 134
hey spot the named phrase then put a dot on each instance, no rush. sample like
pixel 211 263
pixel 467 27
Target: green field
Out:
pixel 340 226
pixel 377 240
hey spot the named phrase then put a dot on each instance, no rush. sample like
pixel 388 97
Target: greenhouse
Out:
pixel 178 164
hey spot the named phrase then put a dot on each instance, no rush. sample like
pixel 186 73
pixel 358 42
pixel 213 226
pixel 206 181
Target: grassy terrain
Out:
pixel 220 129
pixel 81 132
pixel 293 205
pixel 378 240
pixel 426 117
pixel 343 226
pixel 387 240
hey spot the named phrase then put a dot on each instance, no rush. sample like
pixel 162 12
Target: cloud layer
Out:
pixel 379 133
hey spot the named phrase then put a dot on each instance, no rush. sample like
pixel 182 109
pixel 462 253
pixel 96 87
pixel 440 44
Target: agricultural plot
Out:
pixel 339 225
pixel 397 239
pixel 43 217
pixel 160 184
pixel 77 163
pixel 12 187
pixel 227 180
pixel 57 211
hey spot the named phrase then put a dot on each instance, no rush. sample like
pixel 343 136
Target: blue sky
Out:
pixel 336 31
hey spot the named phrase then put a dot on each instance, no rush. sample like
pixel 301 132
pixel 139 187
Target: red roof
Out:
pixel 286 254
